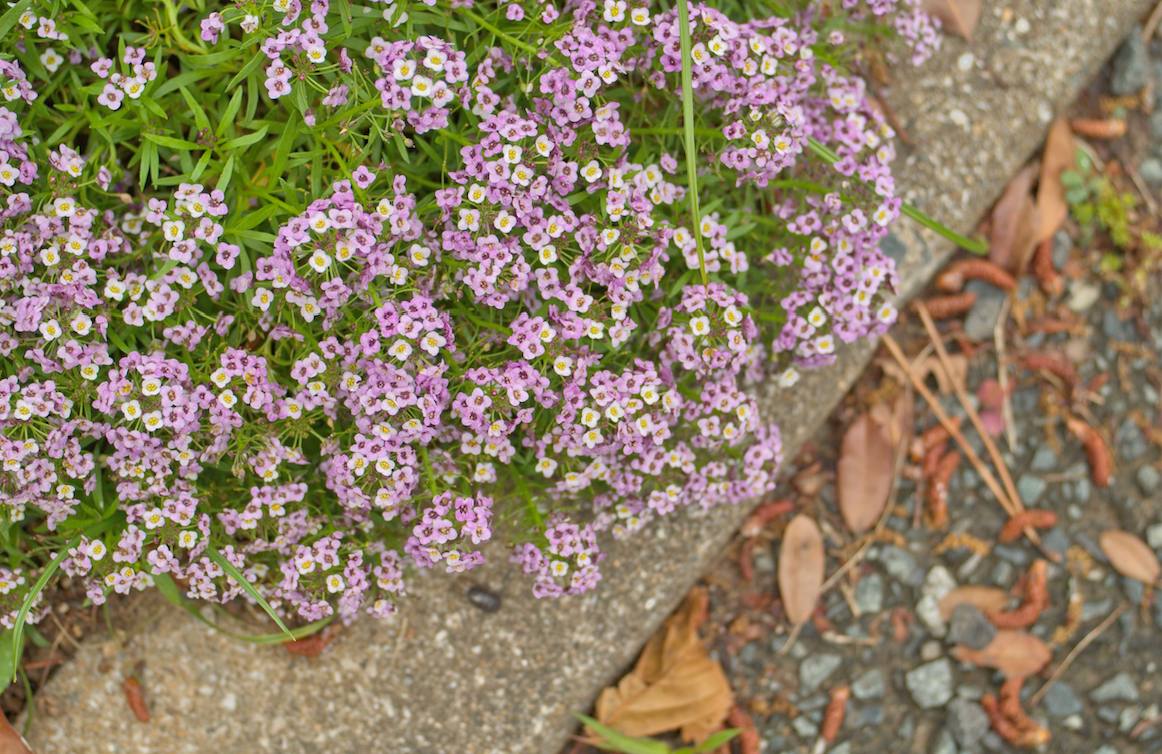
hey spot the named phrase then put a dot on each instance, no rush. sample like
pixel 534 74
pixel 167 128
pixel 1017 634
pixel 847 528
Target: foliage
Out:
pixel 295 296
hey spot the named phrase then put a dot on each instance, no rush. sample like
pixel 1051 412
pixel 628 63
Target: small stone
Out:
pixel 893 247
pixel 870 685
pixel 815 669
pixel 928 611
pixel 873 714
pixel 1060 701
pixel 931 684
pixel 1002 574
pixel 805 727
pixel 230 702
pixel 1129 718
pixel 982 317
pixel 967 568
pixel 869 593
pixel 1155 136
pixel 1131 441
pixel 1030 488
pixel 1073 722
pixel 1106 749
pixel 1055 540
pixel 843 748
pixel 968 722
pixel 1075 512
pixel 1115 329
pixel 1120 688
pixel 1014 555
pixel 1083 488
pixel 1096 608
pixel 965 61
pixel 901 565
pixel 938 583
pixel 970 626
pixel 748 654
pixel 1151 167
pixel 930 651
pixel 1134 590
pixel 945 744
pixel 1149 479
pixel 1062 245
pixel 1108 714
pixel 1154 536
pixel 1083 296
pixel 1131 69
pixel 1044 459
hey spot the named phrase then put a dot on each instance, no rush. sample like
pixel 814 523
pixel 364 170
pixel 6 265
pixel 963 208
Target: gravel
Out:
pixel 970 626
pixel 930 684
pixel 1120 688
pixel 1062 245
pixel 1149 479
pixel 869 593
pixel 870 685
pixel 1131 66
pixel 1154 536
pixel 814 670
pixel 901 565
pixel 1044 459
pixel 982 318
pixel 1061 701
pixel 967 721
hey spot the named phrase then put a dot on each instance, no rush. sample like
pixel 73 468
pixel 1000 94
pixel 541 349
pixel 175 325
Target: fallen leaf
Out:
pixel 958 16
pixel 1130 556
pixel 674 685
pixel 865 472
pixel 946 382
pixel 811 480
pixel 801 564
pixel 11 742
pixel 993 422
pixel 1014 653
pixel 1058 156
pixel 1013 234
pixel 987 599
pixel 990 395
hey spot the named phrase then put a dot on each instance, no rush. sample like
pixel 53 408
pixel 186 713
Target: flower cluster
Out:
pixel 404 283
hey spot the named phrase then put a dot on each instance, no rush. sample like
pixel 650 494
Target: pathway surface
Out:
pixel 448 678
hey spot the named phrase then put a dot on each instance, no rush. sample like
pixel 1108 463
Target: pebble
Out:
pixel 1095 609
pixel 938 583
pixel 1151 167
pixel 1030 488
pixel 1002 574
pixel 1131 70
pixel 814 670
pixel 1061 701
pixel 805 727
pixel 1154 536
pixel 1044 459
pixel 930 684
pixel 1129 718
pixel 1083 296
pixel 1062 245
pixel 928 611
pixel 982 317
pixel 1105 749
pixel 945 744
pixel 870 685
pixel 1131 441
pixel 968 722
pixel 843 748
pixel 1134 590
pixel 871 715
pixel 901 564
pixel 1014 555
pixel 1120 688
pixel 1149 479
pixel 970 626
pixel 1055 540
pixel 930 651
pixel 869 593
pixel 1115 329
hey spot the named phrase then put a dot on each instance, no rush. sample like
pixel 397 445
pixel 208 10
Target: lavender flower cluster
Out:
pixel 327 292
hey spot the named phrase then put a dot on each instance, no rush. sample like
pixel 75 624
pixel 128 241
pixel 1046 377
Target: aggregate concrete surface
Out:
pixel 445 677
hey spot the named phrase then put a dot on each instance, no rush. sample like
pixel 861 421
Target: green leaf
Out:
pixel 247 69
pixel 171 142
pixel 712 743
pixel 199 114
pixel 227 173
pixel 245 141
pixel 11 16
pixel 688 130
pixel 10 654
pixel 620 742
pixel 284 148
pixel 229 113
pixel 235 574
pixel 149 104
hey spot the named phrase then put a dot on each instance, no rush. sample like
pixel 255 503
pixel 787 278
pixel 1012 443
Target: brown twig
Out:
pixel 1069 658
pixel 1003 376
pixel 1152 24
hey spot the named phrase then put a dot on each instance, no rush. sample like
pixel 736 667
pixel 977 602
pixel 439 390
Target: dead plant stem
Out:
pixel 1069 658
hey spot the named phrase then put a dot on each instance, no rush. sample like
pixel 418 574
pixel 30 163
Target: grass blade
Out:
pixel 235 574
pixel 621 742
pixel 688 131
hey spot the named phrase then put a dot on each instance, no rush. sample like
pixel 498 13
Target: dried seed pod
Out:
pixel 1072 622
pixel 1043 268
pixel 833 715
pixel 749 740
pixel 945 307
pixel 952 280
pixel 1063 370
pixel 1035 602
pixel 964 539
pixel 1098 129
pixel 1096 450
pixel 1034 517
pixel 763 514
pixel 1031 735
pixel 938 490
pixel 1130 556
pixel 932 436
pixel 135 698
pixel 746 559
pixel 932 459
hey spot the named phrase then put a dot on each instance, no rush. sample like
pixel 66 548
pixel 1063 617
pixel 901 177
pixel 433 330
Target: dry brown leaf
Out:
pixel 865 471
pixel 1130 556
pixel 1051 206
pixel 801 564
pixel 1013 235
pixel 931 367
pixel 1014 653
pixel 987 599
pixel 10 741
pixel 958 16
pixel 674 685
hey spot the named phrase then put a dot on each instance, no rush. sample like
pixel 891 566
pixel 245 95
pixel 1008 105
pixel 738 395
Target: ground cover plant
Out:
pixel 295 297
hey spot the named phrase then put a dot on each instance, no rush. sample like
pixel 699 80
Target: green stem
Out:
pixel 688 128
pixel 976 246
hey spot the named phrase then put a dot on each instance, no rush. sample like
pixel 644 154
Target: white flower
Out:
pixel 788 378
pixel 589 417
pixel 227 398
pixel 639 16
pixel 262 298
pixel 187 539
pixel 547 255
pixel 512 154
pixel 220 378
pixel 421 86
pixel 547 466
pixel 419 254
pixel 173 230
pixel 319 261
pixel 700 326
pixel 401 350
pixel 563 365
pixel 51 60
pixel 152 421
pixel 334 583
pixel 476 194
pixel 592 171
pixel 403 70
pixel 97 549
pixel 504 222
pixel 154 519
pixel 64 206
pixel 51 330
pixel 433 342
pixel 614 11
pixel 886 314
